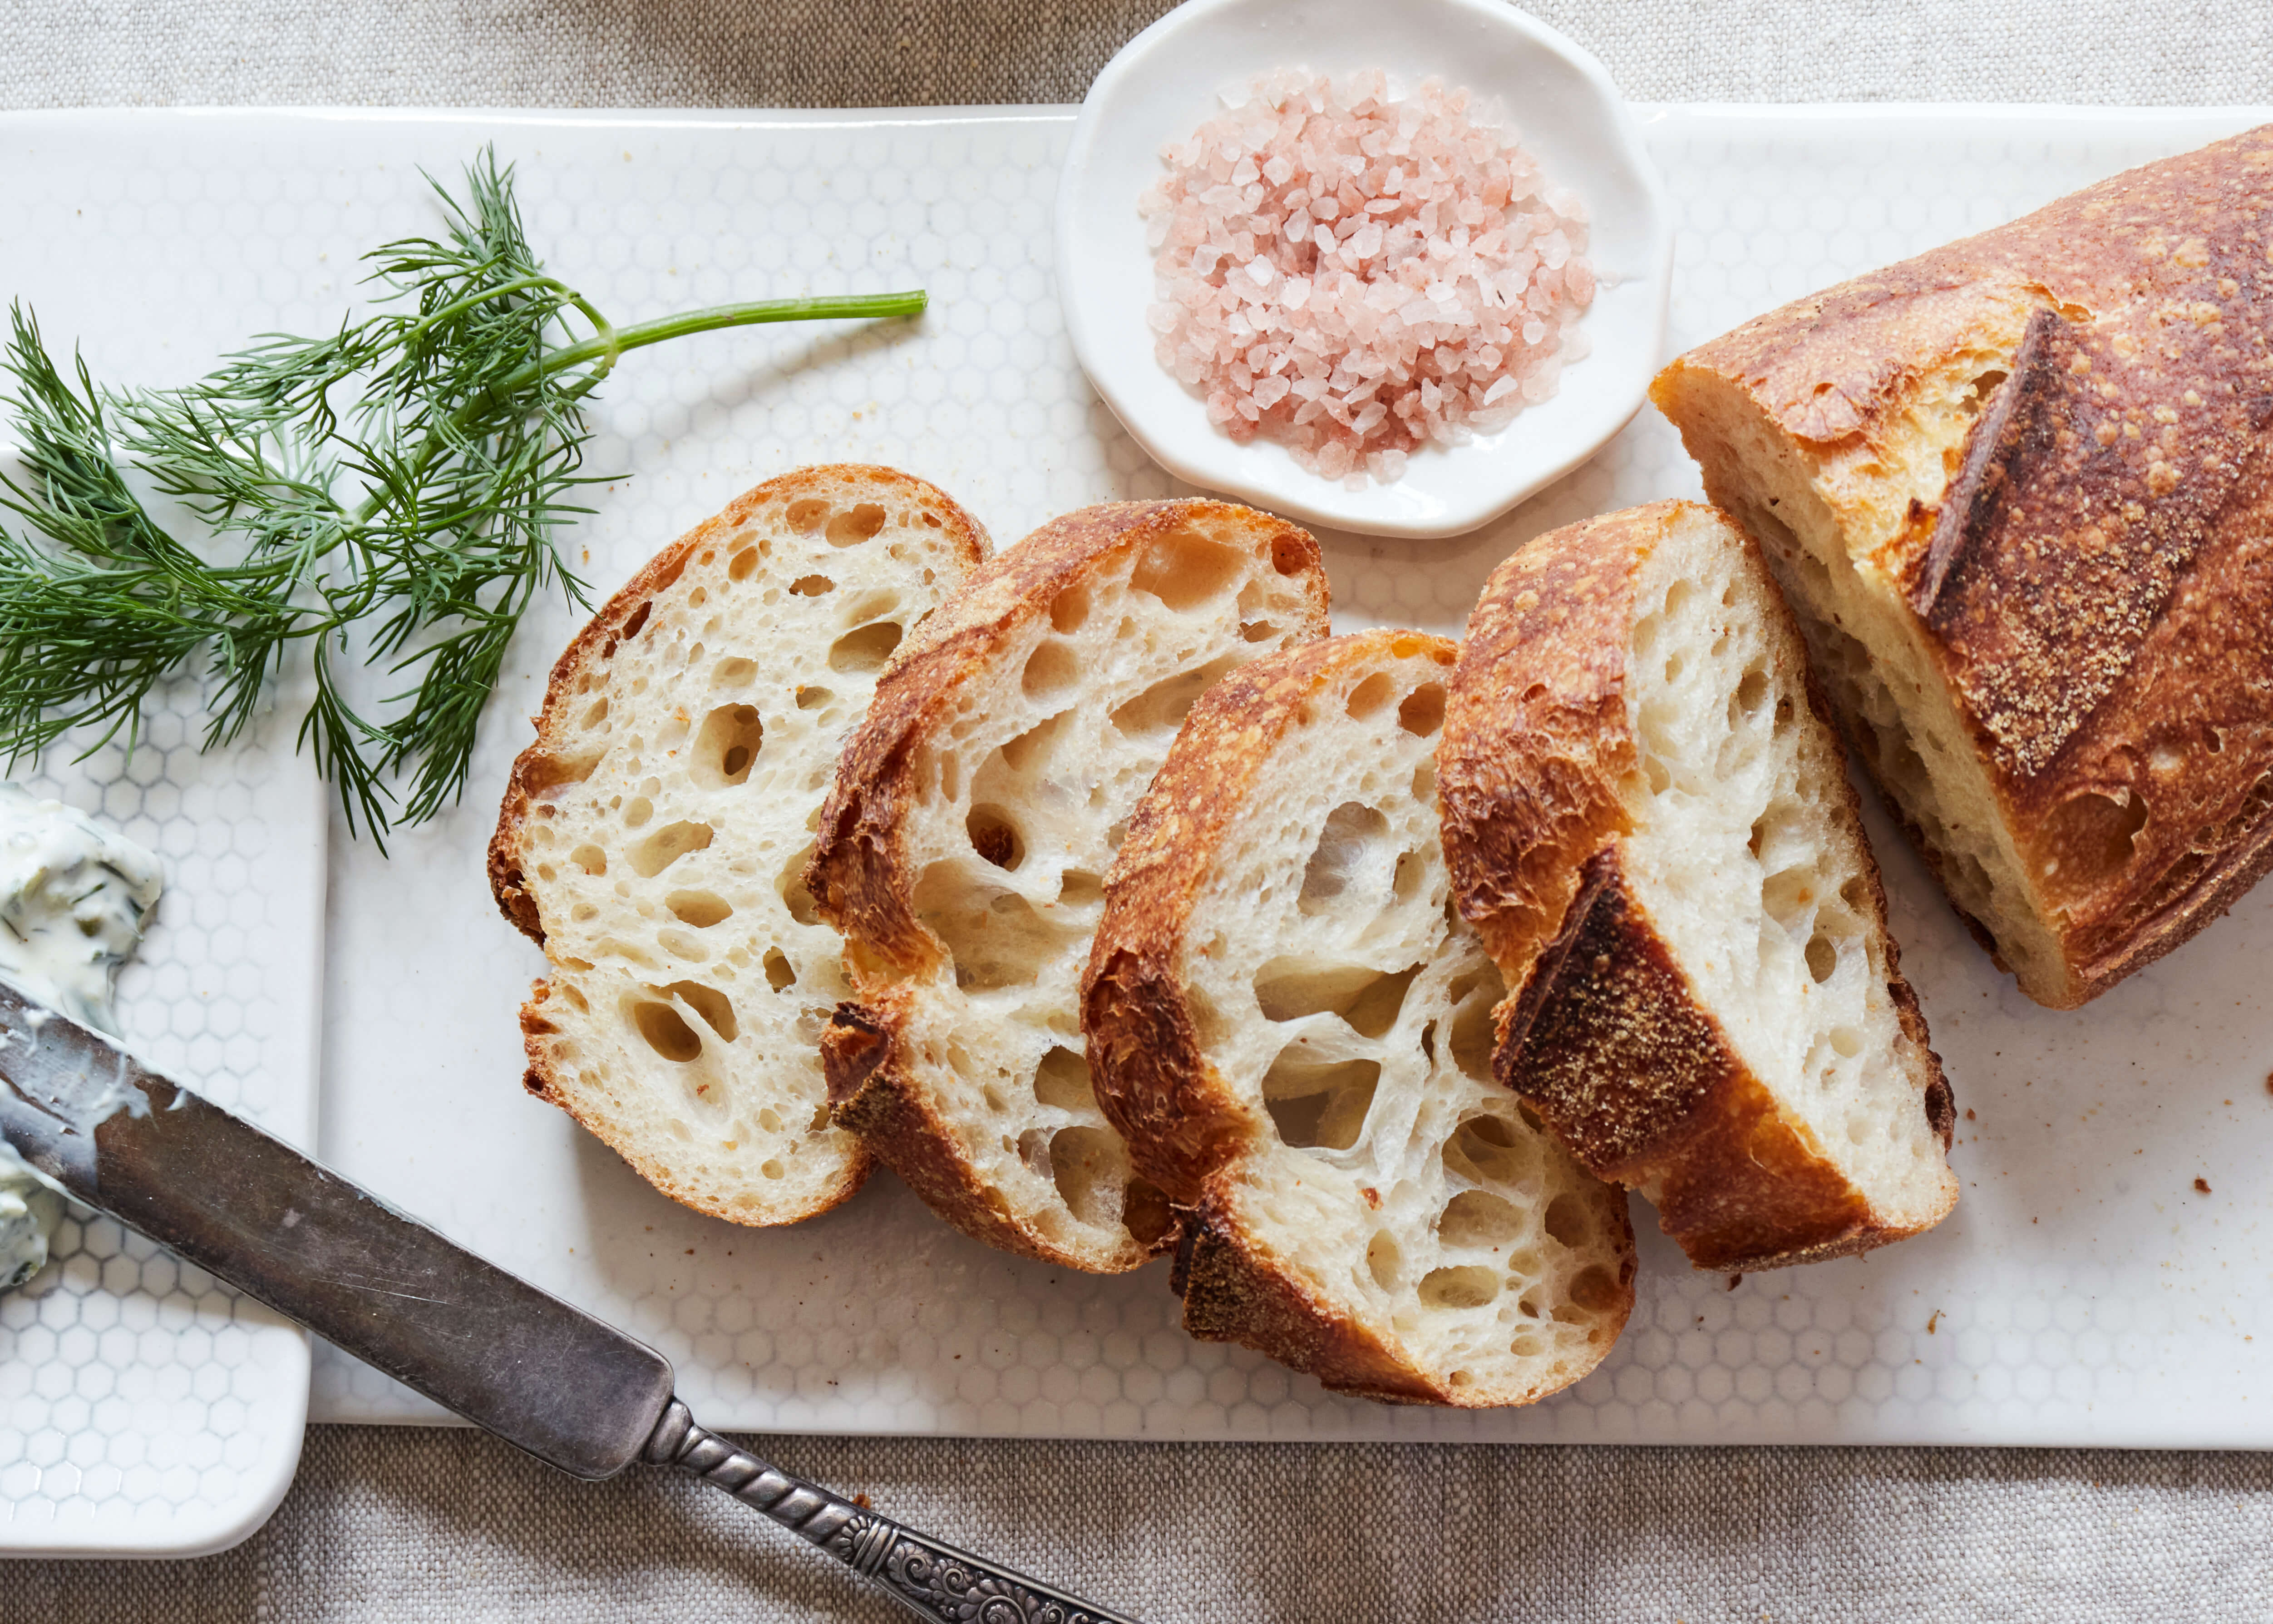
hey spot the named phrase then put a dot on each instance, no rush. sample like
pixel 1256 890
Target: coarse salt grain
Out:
pixel 1358 276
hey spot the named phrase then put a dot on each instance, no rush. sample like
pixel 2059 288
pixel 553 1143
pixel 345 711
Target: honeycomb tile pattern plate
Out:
pixel 144 1408
pixel 2086 1289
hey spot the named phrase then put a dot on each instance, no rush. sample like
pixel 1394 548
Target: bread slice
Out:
pixel 1649 824
pixel 653 840
pixel 963 849
pixel 2015 490
pixel 1293 1028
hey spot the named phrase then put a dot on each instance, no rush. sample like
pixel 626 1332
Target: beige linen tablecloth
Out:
pixel 413 1524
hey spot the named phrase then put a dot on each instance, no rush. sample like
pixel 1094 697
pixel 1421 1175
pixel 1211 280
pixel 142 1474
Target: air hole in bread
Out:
pixel 716 1009
pixel 699 908
pixel 1023 753
pixel 1161 708
pixel 1462 1286
pixel 1370 1000
pixel 1289 556
pixel 1069 609
pixel 1385 1261
pixel 2090 837
pixel 995 837
pixel 1371 695
pixel 1354 859
pixel 1822 958
pixel 811 698
pixel 743 565
pixel 995 937
pixel 864 649
pixel 1422 713
pixel 1566 1221
pixel 1145 1212
pixel 1977 396
pixel 794 895
pixel 1478 1218
pixel 1079 889
pixel 855 525
pixel 1482 1150
pixel 1184 570
pixel 807 513
pixel 728 743
pixel 1053 671
pixel 871 606
pixel 1471 1038
pixel 779 976
pixel 1257 631
pixel 665 1031
pixel 1092 1173
pixel 592 860
pixel 1315 1104
pixel 666 846
pixel 598 714
pixel 1752 692
pixel 733 672
pixel 1062 1080
pixel 812 586
pixel 555 771
pixel 637 810
pixel 1592 1291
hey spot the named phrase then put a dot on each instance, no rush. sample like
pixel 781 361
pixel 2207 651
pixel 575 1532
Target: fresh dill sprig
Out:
pixel 389 495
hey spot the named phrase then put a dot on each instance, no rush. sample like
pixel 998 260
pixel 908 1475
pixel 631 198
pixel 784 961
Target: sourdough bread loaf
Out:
pixel 2017 489
pixel 964 845
pixel 653 840
pixel 1648 823
pixel 1291 1027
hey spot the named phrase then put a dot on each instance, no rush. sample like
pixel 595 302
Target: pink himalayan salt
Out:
pixel 1357 277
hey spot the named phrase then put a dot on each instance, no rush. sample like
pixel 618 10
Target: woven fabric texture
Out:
pixel 884 53
pixel 416 1525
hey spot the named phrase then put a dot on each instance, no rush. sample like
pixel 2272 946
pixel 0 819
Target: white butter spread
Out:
pixel 74 898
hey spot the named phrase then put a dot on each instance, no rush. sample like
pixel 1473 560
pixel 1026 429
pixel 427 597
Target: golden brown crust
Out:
pixel 540 766
pixel 1603 1035
pixel 2094 582
pixel 1231 1297
pixel 868 1094
pixel 857 875
pixel 1182 1123
pixel 1535 745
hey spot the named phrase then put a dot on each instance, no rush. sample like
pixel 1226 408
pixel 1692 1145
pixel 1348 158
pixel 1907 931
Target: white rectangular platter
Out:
pixel 2085 1291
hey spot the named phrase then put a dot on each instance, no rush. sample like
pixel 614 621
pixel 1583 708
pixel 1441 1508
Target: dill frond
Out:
pixel 391 493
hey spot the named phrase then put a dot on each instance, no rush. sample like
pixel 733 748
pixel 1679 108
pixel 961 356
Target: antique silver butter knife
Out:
pixel 517 1361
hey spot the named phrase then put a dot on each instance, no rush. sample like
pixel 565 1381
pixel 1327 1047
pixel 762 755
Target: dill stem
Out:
pixel 612 342
pixel 606 347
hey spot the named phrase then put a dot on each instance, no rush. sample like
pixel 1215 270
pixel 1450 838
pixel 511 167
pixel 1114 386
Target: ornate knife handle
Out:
pixel 931 1579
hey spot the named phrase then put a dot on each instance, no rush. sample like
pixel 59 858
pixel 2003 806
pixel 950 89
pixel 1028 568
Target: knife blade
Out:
pixel 515 1360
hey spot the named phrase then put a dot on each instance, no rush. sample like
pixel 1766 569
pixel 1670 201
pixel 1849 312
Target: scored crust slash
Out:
pixel 2017 489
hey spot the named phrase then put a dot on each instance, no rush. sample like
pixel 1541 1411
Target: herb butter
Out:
pixel 74 900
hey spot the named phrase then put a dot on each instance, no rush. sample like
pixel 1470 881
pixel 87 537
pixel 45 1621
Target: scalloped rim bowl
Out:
pixel 1565 109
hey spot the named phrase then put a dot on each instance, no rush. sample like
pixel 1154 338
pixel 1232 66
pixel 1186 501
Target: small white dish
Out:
pixel 1563 107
